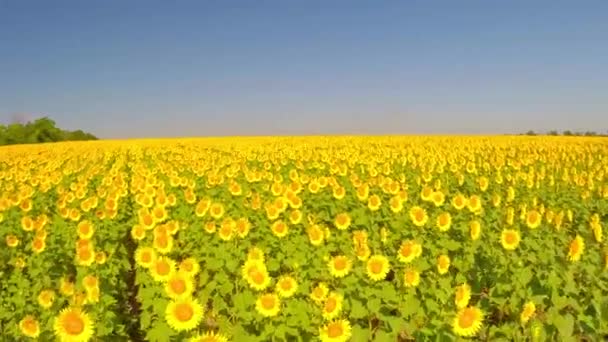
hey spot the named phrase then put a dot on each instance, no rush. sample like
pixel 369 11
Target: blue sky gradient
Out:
pixel 195 68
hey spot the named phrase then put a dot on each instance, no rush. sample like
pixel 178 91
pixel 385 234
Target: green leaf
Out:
pixel 160 332
pixel 564 325
pixel 360 334
pixel 374 305
pixel 357 310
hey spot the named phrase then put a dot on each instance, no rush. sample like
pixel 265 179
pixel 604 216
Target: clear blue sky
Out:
pixel 189 68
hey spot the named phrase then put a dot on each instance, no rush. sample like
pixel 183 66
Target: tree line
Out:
pixel 41 130
pixel 569 133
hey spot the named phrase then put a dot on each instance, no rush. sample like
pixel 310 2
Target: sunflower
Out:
pixel 138 232
pixel 396 204
pixel 279 228
pixel 189 266
pixel 319 292
pixel 162 268
pixel 438 198
pixel 576 248
pixel 145 256
pixel 474 204
pixel 29 326
pixel 533 219
pixel 362 192
pixel 316 235
pixel 90 281
pixel 101 257
pixel 255 253
pixel 332 305
pixel 12 241
pixel 179 285
pixel 374 202
pixel 38 245
pixel 286 286
pixel 202 207
pixel 527 312
pixel 596 227
pixel 377 267
pixel 462 296
pixel 268 304
pixel 295 217
pixel 210 227
pixel 362 251
pixel 510 239
pixel 208 336
pixel 474 229
pixel 85 229
pixel 444 221
pixel 467 322
pixel 255 273
pixel 408 251
pixel 342 221
pixel 339 266
pixel 227 229
pixel 411 277
pixel 339 192
pixel 418 216
pixel 216 210
pixel 336 331
pixel 66 287
pixel 184 314
pixel 73 325
pixel 85 256
pixel 242 227
pixel 163 243
pixel 443 264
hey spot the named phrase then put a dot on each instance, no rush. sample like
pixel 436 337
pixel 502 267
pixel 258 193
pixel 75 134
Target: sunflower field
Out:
pixel 305 239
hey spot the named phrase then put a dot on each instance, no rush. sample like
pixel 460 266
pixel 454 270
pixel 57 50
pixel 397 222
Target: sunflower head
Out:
pixel 73 324
pixel 467 322
pixel 184 314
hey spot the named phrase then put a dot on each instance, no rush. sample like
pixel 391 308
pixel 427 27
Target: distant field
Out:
pixel 308 238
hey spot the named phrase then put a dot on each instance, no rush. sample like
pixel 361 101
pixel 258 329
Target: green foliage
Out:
pixel 41 130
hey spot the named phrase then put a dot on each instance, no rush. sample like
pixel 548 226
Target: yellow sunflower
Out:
pixel 216 210
pixel 443 264
pixel 510 239
pixel 411 277
pixel 73 325
pixel 474 229
pixel 336 331
pixel 179 285
pixel 286 286
pixel 319 292
pixel 184 314
pixel 255 273
pixel 377 267
pixel 29 326
pixel 418 216
pixel 467 322
pixel 342 221
pixel 189 266
pixel 268 304
pixel 208 336
pixel 332 306
pixel 576 248
pixel 255 253
pixel 85 229
pixel 315 235
pixel 444 221
pixel 374 202
pixel 408 251
pixel 162 268
pixel 463 295
pixel 533 219
pixel 279 228
pixel 339 266
pixel 527 312
pixel 145 256
pixel 46 298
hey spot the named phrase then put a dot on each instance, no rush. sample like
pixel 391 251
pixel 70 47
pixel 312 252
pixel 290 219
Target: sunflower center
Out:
pixel 184 312
pixel 268 302
pixel 443 263
pixel 574 247
pixel 419 215
pixel 187 266
pixel 341 220
pixel 163 268
pixel 30 325
pixel 257 277
pixel 410 277
pixel 286 285
pixel 146 257
pixel 85 254
pixel 38 244
pixel 406 250
pixel 443 220
pixel 73 324
pixel 340 264
pixel 147 220
pixel 331 304
pixel 315 234
pixel 510 238
pixel 467 318
pixel 335 330
pixel 178 286
pixel 318 292
pixel 376 266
